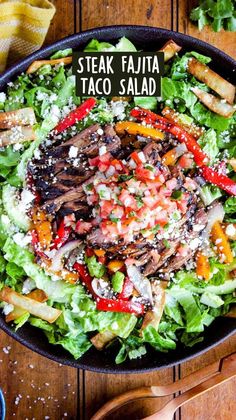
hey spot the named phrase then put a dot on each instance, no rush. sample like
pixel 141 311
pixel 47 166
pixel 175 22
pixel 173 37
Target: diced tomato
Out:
pixel 127 199
pixel 190 184
pixel 150 201
pixel 186 162
pixel 182 204
pixel 100 159
pixel 182 251
pixel 92 199
pixel 102 260
pixel 83 227
pixel 136 158
pixel 144 174
pixel 118 212
pixel 171 184
pixel 106 207
pixel 118 165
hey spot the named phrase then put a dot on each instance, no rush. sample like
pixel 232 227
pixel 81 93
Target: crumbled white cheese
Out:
pixel 102 150
pixel 37 154
pixel 26 198
pixel 194 243
pixel 230 230
pixel 73 152
pixel 8 308
pixel 40 96
pixel 118 109
pixel 22 240
pixel 18 146
pixel 100 131
pixel 28 286
pixel 54 113
pixel 198 228
pixel 2 97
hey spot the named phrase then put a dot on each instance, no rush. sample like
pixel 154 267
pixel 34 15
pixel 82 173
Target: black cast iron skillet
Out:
pixel 149 39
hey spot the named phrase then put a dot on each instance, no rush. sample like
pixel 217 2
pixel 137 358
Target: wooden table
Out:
pixel 36 388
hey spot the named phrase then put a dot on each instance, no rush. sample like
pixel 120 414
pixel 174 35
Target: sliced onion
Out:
pixel 57 261
pixel 180 149
pixel 215 214
pixel 102 289
pixel 141 283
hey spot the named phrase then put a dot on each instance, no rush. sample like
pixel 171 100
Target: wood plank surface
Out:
pixel 59 392
pixel 223 40
pixel 139 12
pixel 35 387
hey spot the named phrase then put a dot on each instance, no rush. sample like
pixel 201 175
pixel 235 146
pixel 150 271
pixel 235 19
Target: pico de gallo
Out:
pixel 117 218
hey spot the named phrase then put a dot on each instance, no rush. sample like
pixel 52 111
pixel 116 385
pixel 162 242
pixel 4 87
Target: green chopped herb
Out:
pixel 166 243
pixel 150 168
pixel 113 218
pixel 124 177
pixel 176 195
pixel 139 201
pixel 89 187
pixel 102 194
pixel 155 228
pixel 132 213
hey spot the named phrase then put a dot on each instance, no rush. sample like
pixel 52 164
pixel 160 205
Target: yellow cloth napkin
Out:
pixel 23 28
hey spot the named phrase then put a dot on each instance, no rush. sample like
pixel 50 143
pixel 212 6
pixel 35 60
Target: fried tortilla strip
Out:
pixel 170 49
pixel 37 294
pixel 39 63
pixel 213 103
pixel 153 316
pixel 41 310
pixel 213 80
pixel 174 117
pixel 100 340
pixel 24 116
pixel 17 134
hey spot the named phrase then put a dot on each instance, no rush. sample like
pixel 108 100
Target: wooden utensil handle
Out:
pixel 167 412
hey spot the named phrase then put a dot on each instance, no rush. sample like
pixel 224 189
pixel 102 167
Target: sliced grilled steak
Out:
pixel 81 210
pixel 76 194
pixel 97 239
pixel 154 258
pixel 200 219
pixel 151 153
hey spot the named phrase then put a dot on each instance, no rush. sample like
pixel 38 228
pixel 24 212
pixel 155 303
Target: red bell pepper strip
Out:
pixel 128 306
pixel 62 235
pixel 76 115
pixel 162 123
pixel 127 290
pixel 222 181
pixel 84 276
pixel 35 244
pixel 89 252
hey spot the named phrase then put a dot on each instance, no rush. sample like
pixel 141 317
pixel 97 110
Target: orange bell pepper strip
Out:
pixel 115 265
pixel 203 266
pixel 99 252
pixel 44 231
pixel 134 128
pixel 170 157
pixel 221 242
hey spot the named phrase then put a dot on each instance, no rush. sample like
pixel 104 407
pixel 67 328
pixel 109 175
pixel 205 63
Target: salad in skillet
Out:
pixel 118 216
